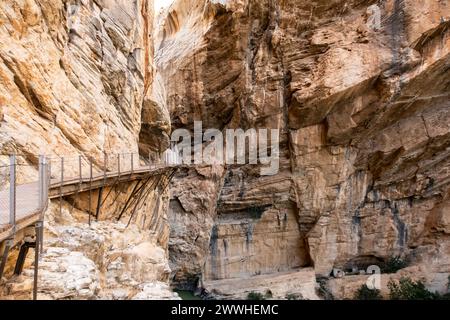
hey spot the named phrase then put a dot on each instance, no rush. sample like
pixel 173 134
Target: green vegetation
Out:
pixel 445 296
pixel 187 295
pixel 393 264
pixel 323 290
pixel 294 296
pixel 407 289
pixel 255 296
pixel 364 293
pixel 403 289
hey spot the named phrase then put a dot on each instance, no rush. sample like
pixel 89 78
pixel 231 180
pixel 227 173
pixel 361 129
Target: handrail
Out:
pixel 55 172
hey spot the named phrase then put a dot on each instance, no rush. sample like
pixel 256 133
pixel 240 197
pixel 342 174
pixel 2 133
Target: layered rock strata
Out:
pixel 359 91
pixel 76 78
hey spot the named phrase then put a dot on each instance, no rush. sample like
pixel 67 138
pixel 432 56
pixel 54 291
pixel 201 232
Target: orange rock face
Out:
pixel 76 78
pixel 360 94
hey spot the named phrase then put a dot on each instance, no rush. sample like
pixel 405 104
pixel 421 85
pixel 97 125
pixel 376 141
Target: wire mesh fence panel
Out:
pixel 143 162
pixel 121 163
pixel 4 173
pixel 56 168
pixel 27 200
pixel 98 169
pixel 27 190
pixel 125 162
pixel 71 169
pixel 109 163
pixel 79 167
pixel 134 161
pixel 32 183
pixel 4 192
pixel 4 208
pixel 139 162
pixel 22 200
pixel 64 169
pixel 85 168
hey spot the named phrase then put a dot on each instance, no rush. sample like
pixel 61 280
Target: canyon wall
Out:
pixel 359 92
pixel 357 89
pixel 76 78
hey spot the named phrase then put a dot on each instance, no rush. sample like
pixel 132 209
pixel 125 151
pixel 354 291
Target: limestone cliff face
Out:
pixel 359 91
pixel 76 77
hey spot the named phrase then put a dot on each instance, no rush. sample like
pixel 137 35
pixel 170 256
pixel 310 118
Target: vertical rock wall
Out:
pixel 359 91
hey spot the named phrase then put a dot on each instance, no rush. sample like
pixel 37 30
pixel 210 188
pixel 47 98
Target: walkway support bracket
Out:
pixel 99 203
pixel 61 186
pixel 90 189
pixel 22 256
pixel 128 200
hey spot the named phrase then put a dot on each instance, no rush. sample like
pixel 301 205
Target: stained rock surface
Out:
pixel 359 92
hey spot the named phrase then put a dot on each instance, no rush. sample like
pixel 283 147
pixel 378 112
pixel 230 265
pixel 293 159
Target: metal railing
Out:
pixel 92 173
pixel 22 193
pixel 82 168
pixel 23 196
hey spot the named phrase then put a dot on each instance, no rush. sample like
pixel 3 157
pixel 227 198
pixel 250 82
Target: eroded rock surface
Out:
pixel 359 91
pixel 76 78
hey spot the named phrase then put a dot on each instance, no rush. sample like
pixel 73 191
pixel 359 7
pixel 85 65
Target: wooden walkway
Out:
pixel 28 210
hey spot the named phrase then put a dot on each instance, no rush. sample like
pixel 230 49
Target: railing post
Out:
pixel 118 164
pixel 38 230
pixel 105 163
pixel 41 182
pixel 12 191
pixel 43 197
pixel 80 168
pixel 49 167
pixel 48 177
pixel 90 170
pixel 90 189
pixel 62 171
pixel 61 185
pixel 132 160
